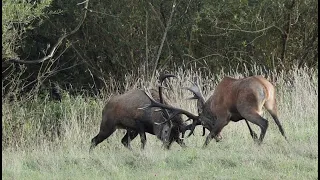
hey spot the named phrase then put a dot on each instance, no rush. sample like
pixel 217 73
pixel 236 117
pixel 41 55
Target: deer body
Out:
pixel 124 112
pixel 238 99
pixel 233 100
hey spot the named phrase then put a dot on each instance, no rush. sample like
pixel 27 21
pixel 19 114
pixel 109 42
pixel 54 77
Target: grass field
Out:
pixel 31 148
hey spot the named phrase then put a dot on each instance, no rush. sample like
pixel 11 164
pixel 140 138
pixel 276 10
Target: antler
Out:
pixel 162 77
pixel 195 89
pixel 165 113
pixel 175 111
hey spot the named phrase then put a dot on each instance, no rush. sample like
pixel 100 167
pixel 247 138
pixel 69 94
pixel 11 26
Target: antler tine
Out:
pixel 195 90
pixel 162 77
pixel 175 110
pixel 168 119
pixel 193 83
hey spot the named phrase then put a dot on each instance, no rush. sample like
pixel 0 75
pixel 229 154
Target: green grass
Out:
pixel 32 149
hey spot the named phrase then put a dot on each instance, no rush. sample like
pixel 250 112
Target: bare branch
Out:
pixel 241 30
pixel 146 66
pixel 164 38
pixel 194 59
pixel 97 12
pixel 57 45
pixel 158 16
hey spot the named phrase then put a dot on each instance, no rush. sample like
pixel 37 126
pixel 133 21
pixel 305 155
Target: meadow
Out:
pixel 43 139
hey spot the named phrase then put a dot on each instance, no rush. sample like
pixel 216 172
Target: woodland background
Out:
pixel 110 39
pixel 86 52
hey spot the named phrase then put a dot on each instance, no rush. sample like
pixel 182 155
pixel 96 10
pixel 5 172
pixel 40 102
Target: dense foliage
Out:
pixel 124 37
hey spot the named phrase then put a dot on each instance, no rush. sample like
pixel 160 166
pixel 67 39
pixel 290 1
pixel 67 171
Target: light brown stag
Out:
pixel 232 100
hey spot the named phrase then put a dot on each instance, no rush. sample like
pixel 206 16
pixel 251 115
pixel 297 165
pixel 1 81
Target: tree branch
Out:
pixel 146 66
pixel 57 45
pixel 246 31
pixel 164 38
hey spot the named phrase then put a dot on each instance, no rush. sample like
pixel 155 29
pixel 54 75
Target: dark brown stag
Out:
pixel 122 112
pixel 232 100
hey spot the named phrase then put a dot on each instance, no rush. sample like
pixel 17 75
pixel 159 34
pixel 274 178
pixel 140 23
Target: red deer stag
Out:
pixel 122 112
pixel 232 100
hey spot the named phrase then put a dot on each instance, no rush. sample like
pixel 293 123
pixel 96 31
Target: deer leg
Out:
pixel 175 135
pixel 252 133
pixel 102 135
pixel 178 140
pixel 275 117
pixel 130 135
pixel 142 133
pixel 215 132
pixel 218 137
pixel 271 106
pixel 208 139
pixel 255 118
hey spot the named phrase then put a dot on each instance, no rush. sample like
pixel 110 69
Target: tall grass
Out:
pixel 42 139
